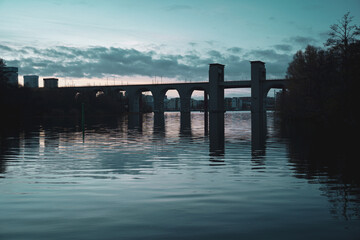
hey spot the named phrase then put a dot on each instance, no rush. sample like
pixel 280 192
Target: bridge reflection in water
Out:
pixel 213 108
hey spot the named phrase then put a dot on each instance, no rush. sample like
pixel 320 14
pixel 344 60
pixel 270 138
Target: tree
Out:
pixel 343 34
pixel 322 85
pixel 341 37
pixel 345 46
pixel 2 77
pixel 310 77
pixel 2 63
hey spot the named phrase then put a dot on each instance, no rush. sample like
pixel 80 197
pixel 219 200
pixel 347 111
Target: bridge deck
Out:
pixel 237 84
pixel 277 83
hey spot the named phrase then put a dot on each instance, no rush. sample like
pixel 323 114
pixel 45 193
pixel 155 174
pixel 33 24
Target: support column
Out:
pixel 206 114
pixel 258 110
pixel 159 123
pixel 185 124
pixel 185 112
pixel 158 102
pixel 135 121
pixel 185 99
pixel 134 101
pixel 216 108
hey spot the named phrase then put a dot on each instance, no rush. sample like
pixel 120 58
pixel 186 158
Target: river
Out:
pixel 126 181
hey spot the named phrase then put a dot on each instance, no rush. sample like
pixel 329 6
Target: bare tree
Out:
pixel 2 63
pixel 343 34
pixel 3 79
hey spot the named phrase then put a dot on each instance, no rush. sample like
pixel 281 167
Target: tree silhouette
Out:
pixel 341 37
pixel 343 34
pixel 2 77
pixel 322 82
pixel 320 110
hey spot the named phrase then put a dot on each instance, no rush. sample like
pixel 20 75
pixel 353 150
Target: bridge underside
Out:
pixel 215 90
pixel 185 90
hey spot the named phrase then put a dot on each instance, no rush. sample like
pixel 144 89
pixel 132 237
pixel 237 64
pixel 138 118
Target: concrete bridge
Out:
pixel 214 90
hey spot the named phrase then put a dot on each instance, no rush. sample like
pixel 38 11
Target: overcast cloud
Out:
pixel 98 62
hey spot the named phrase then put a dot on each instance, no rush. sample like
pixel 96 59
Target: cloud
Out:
pixel 235 50
pixel 272 18
pixel 178 7
pixel 63 61
pixel 283 47
pixel 269 55
pixel 215 54
pixel 5 48
pixel 324 36
pixel 193 44
pixel 99 62
pixel 276 63
pixel 303 41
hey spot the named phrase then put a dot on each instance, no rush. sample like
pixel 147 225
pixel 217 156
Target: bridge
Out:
pixel 214 91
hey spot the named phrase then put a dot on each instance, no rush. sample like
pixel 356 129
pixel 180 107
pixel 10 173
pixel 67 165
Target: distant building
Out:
pixel 31 81
pixel 246 103
pixel 196 104
pixel 270 103
pixel 236 103
pixel 11 75
pixel 148 100
pixel 228 103
pixel 173 104
pixel 51 82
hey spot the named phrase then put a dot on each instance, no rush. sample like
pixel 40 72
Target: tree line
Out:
pixel 319 110
pixel 322 81
pixel 321 91
pixel 19 104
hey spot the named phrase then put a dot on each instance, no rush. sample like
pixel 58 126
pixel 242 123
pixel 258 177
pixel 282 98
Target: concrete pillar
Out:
pixel 135 121
pixel 158 102
pixel 216 92
pixel 216 109
pixel 185 100
pixel 185 112
pixel 159 123
pixel 185 123
pixel 134 101
pixel 258 110
pixel 206 114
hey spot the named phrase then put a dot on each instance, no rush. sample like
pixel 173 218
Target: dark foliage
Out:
pixel 322 81
pixel 19 104
pixel 319 110
pixel 3 81
pixel 22 102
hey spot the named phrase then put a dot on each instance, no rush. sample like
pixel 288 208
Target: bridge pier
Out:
pixel 215 90
pixel 134 101
pixel 159 123
pixel 206 115
pixel 135 121
pixel 185 123
pixel 258 105
pixel 185 100
pixel 158 101
pixel 216 109
pixel 185 112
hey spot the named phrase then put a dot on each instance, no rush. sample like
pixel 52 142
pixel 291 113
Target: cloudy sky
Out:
pixel 132 41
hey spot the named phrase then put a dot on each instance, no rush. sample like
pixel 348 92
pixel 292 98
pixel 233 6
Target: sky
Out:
pixel 147 41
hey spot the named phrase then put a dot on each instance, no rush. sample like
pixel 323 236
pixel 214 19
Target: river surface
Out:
pixel 120 181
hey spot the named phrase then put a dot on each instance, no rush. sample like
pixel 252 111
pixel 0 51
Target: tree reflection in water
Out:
pixel 328 159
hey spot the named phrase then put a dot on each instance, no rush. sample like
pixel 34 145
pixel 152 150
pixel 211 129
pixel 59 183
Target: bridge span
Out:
pixel 214 91
pixel 185 90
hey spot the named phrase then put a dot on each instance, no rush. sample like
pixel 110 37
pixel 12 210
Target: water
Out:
pixel 131 182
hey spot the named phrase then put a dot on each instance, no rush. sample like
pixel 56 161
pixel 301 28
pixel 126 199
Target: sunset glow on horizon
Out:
pixel 130 42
